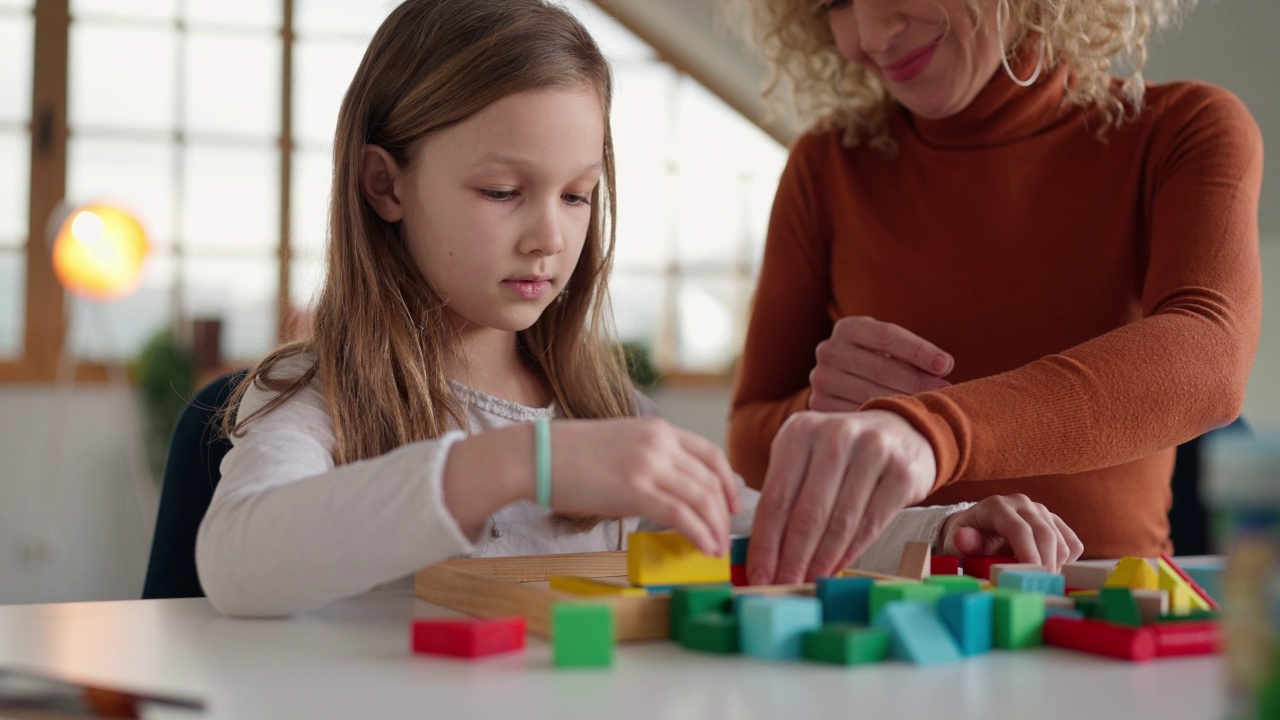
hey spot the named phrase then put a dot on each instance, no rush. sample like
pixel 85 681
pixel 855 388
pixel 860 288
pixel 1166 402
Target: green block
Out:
pixel 715 632
pixel 846 644
pixel 582 634
pixel 955 584
pixel 692 600
pixel 1090 606
pixel 882 593
pixel 1118 606
pixel 1018 619
pixel 1193 615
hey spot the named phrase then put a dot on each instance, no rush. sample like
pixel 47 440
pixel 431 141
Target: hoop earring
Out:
pixel 1004 56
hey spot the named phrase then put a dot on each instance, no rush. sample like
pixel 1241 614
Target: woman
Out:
pixel 991 268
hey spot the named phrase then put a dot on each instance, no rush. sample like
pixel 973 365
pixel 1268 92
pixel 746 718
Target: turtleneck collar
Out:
pixel 1002 112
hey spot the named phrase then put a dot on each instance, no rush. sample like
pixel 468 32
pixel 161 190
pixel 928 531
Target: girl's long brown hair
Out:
pixel 381 336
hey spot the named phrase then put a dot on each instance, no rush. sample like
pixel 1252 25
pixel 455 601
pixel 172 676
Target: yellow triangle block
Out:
pixel 1170 579
pixel 1144 577
pixel 1123 574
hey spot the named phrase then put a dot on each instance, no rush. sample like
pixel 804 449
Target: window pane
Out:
pixel 155 9
pixel 642 142
pixel 305 279
pixel 15 153
pixel 308 221
pixel 13 286
pixel 239 292
pixel 249 13
pixel 638 306
pixel 117 330
pixel 232 85
pixel 706 318
pixel 15 69
pixel 322 72
pixel 360 19
pixel 121 77
pixel 137 175
pixel 232 198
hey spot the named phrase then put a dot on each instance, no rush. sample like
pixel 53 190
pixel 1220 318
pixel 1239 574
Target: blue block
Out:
pixel 1035 581
pixel 1208 577
pixel 917 634
pixel 742 598
pixel 1051 611
pixel 845 599
pixel 968 616
pixel 668 589
pixel 738 550
pixel 774 627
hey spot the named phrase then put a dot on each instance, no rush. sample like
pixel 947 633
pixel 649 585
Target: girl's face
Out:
pixel 933 70
pixel 496 208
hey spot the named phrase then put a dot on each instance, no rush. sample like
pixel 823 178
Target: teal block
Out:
pixel 1208 577
pixel 1062 612
pixel 582 634
pixel 917 634
pixel 845 599
pixel 668 589
pixel 738 550
pixel 688 601
pixel 968 616
pixel 886 592
pixel 1037 581
pixel 774 627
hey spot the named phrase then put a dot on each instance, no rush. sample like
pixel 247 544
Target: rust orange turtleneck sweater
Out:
pixel 1102 300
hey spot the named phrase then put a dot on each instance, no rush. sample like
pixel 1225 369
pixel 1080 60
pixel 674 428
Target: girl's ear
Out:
pixel 379 179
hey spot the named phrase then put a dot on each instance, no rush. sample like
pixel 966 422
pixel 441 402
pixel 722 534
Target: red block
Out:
pixel 464 637
pixel 944 565
pixel 738 575
pixel 1190 637
pixel 1101 638
pixel 1187 578
pixel 979 566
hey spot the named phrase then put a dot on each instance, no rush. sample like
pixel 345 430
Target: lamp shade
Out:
pixel 98 252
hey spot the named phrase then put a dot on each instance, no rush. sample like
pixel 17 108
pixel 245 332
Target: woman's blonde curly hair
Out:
pixel 1097 39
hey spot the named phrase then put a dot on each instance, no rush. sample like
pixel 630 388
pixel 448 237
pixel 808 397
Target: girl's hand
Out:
pixel 646 467
pixel 1012 524
pixel 834 482
pixel 865 358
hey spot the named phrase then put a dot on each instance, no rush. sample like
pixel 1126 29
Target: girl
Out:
pixel 465 305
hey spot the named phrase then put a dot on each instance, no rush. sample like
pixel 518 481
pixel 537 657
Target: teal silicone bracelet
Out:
pixel 542 461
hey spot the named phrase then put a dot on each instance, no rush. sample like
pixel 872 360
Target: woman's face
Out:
pixel 933 68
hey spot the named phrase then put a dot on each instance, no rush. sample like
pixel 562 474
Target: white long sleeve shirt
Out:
pixel 287 530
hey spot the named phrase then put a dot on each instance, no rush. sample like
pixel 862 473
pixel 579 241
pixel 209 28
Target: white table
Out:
pixel 352 660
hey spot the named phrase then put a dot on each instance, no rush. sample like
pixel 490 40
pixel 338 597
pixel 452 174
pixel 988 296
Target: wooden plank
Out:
pixel 484 595
pixel 538 568
pixel 915 561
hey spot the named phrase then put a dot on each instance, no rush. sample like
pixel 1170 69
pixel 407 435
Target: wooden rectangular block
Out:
pixel 1100 638
pixel 1087 575
pixel 914 563
pixel 944 565
pixel 694 600
pixel 887 592
pixel 713 632
pixel 1018 619
pixel 840 644
pixel 774 627
pixel 1001 567
pixel 667 558
pixel 979 566
pixel 845 599
pixel 955 584
pixel 1119 606
pixel 1152 604
pixel 917 634
pixel 589 587
pixel 467 637
pixel 969 617
pixel 1039 581
pixel 581 635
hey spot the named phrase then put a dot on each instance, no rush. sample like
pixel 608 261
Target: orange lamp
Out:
pixel 98 252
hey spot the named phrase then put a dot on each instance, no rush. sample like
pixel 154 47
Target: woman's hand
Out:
pixel 646 467
pixel 834 482
pixel 865 358
pixel 1012 524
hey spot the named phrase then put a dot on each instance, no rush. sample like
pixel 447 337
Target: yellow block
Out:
pixel 1123 575
pixel 587 586
pixel 667 558
pixel 1083 593
pixel 1170 579
pixel 1144 577
pixel 1180 599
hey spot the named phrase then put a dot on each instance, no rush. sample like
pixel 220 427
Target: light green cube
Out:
pixel 582 634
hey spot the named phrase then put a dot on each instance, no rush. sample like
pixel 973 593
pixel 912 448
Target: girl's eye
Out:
pixel 829 5
pixel 576 199
pixel 498 195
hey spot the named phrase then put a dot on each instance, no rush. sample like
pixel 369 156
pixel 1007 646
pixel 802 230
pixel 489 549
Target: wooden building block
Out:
pixel 944 565
pixel 1152 604
pixel 738 545
pixel 1202 637
pixel 1208 578
pixel 914 564
pixel 589 587
pixel 1039 581
pixel 1118 606
pixel 842 644
pixel 953 584
pixel 979 566
pixel 1087 575
pixel 693 600
pixel 1001 567
pixel 1133 572
pixel 667 558
pixel 886 592
pixel 715 632
pixel 581 634
pixel 969 618
pixel 738 575
pixel 916 634
pixel 773 627
pixel 1101 638
pixel 1017 619
pixel 1170 575
pixel 845 599
pixel 467 637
